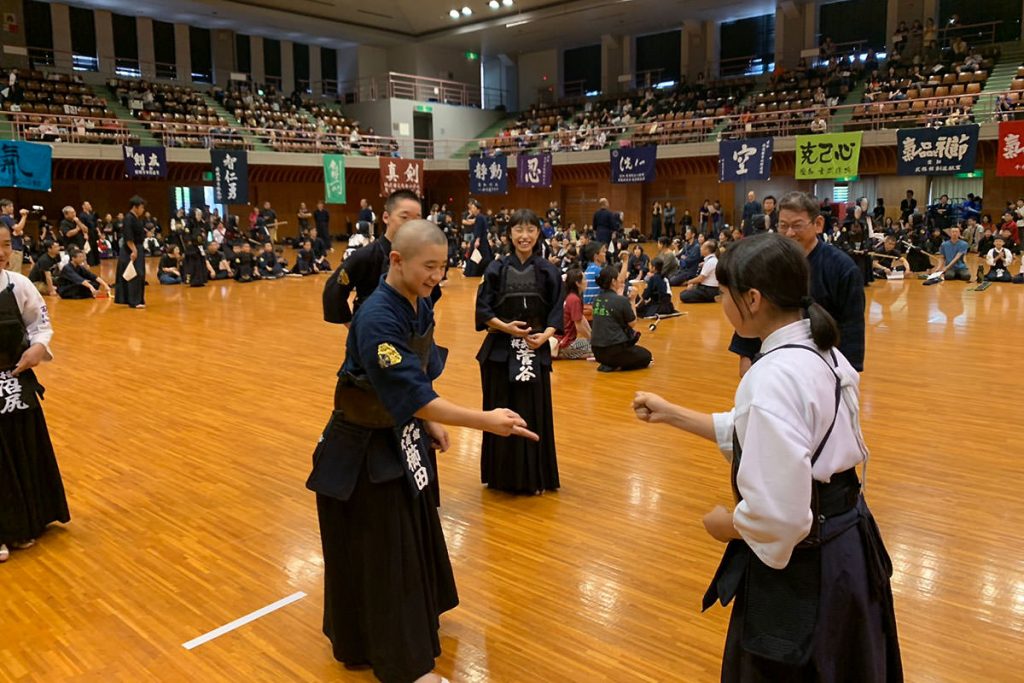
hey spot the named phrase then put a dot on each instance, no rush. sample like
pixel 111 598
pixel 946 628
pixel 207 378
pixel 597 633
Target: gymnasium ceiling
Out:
pixel 339 23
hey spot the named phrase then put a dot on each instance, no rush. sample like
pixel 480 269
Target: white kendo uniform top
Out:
pixel 33 309
pixel 784 406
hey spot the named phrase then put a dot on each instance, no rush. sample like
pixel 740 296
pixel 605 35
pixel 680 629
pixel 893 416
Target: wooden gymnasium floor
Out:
pixel 184 433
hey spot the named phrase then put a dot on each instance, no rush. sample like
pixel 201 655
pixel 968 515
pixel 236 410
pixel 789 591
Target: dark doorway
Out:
pixel 423 134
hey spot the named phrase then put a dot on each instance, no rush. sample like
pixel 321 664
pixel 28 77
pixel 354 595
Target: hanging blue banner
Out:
pixel 230 176
pixel 145 162
pixel 488 175
pixel 534 170
pixel 634 164
pixel 27 165
pixel 937 151
pixel 749 159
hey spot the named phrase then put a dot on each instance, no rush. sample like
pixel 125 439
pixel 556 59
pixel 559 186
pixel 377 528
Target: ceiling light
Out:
pixel 507 3
pixel 494 4
pixel 454 14
pixel 466 11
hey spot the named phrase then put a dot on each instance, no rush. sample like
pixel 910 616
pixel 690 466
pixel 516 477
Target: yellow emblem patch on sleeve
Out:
pixel 387 355
pixel 343 277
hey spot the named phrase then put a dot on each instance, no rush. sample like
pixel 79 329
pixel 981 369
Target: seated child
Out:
pixel 890 268
pixel 169 270
pixel 76 281
pixel 575 343
pixel 614 340
pixel 999 259
pixel 320 251
pixel 244 264
pixel 219 267
pixel 657 297
pixel 704 288
pixel 305 260
pixel 269 265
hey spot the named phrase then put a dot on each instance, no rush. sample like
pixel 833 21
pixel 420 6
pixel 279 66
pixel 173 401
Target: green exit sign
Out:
pixel 472 56
pixel 848 179
pixel 971 174
pixel 208 176
pixel 424 108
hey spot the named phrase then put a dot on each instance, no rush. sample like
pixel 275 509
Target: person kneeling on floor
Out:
pixel 704 288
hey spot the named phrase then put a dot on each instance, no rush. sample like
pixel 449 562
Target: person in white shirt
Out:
pixel 805 560
pixel 31 490
pixel 999 259
pixel 704 287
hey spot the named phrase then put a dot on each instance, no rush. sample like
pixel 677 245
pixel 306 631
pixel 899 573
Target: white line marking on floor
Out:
pixel 252 616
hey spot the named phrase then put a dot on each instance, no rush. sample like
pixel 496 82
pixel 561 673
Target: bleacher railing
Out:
pixel 976 35
pixel 863 116
pixel 409 87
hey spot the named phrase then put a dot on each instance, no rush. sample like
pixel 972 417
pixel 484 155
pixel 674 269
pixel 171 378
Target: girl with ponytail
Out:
pixel 804 559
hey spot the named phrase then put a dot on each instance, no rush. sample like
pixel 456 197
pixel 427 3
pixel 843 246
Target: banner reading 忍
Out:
pixel 401 174
pixel 488 175
pixel 1010 159
pixel 27 165
pixel 749 159
pixel 230 176
pixel 936 151
pixel 634 164
pixel 142 163
pixel 534 170
pixel 827 155
pixel 334 179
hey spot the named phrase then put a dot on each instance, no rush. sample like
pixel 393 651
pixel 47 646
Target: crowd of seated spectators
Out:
pixel 54 107
pixel 178 116
pixel 913 90
pixel 652 116
pixel 803 100
pixel 1010 105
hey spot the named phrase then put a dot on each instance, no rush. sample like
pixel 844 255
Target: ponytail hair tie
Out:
pixel 806 302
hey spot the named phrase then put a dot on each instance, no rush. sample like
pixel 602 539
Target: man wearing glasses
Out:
pixel 836 282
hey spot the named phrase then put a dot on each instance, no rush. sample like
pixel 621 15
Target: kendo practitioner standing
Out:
pixel 362 270
pixel 31 490
pixel 519 304
pixel 132 292
pixel 387 576
pixel 480 240
pixel 805 562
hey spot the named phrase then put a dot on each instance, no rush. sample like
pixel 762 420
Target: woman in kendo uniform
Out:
pixel 519 304
pixel 31 490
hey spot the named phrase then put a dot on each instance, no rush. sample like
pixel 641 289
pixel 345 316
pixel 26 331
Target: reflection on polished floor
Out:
pixel 185 431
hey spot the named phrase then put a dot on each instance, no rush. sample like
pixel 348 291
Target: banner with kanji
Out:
pixel 230 176
pixel 401 174
pixel 334 179
pixel 145 163
pixel 749 159
pixel 28 165
pixel 827 155
pixel 936 151
pixel 534 170
pixel 488 175
pixel 634 164
pixel 1010 160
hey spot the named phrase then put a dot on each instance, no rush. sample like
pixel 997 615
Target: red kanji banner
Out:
pixel 1010 159
pixel 401 174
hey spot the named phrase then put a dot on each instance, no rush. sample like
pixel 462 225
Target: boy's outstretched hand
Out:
pixel 505 422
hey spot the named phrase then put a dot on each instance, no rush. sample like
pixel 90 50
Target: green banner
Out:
pixel 827 155
pixel 334 179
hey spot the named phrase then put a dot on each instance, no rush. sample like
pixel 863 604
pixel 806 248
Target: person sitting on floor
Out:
pixel 219 267
pixel 999 259
pixel 689 261
pixel 952 265
pixel 704 287
pixel 893 267
pixel 46 269
pixel 169 270
pixel 244 264
pixel 574 344
pixel 305 260
pixel 614 340
pixel 76 281
pixel 320 251
pixel 269 264
pixel 657 297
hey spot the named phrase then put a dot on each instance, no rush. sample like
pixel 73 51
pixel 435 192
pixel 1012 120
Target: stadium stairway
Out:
pixel 760 85
pixel 1000 79
pixel 255 142
pixel 842 117
pixel 473 147
pixel 135 127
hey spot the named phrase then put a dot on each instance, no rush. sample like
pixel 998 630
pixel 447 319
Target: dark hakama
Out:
pixel 382 602
pixel 855 638
pixel 481 233
pixel 519 465
pixel 133 292
pixel 31 490
pixel 193 269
